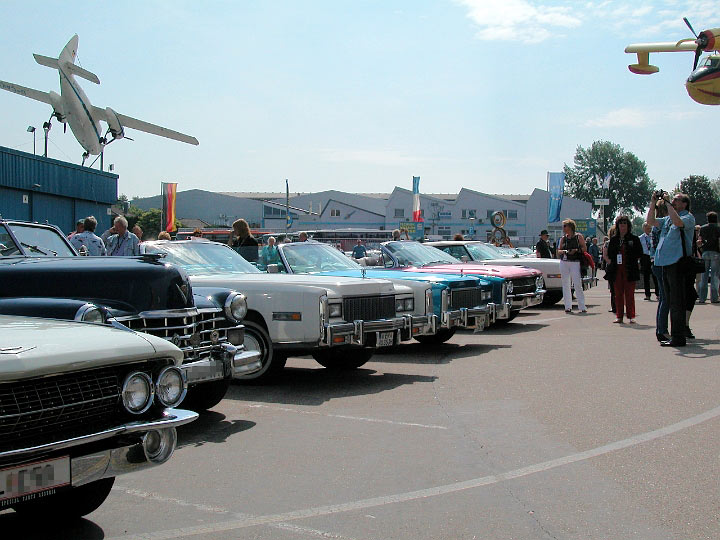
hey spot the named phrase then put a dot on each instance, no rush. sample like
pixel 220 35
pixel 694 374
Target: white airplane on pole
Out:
pixel 73 107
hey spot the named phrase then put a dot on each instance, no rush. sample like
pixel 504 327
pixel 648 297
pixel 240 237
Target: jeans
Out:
pixel 568 270
pixel 712 267
pixel 661 318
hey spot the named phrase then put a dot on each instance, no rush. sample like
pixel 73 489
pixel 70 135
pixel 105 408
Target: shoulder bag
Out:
pixel 690 264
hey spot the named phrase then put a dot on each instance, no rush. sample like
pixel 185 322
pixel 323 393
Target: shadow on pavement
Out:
pixel 695 350
pixel 301 386
pixel 13 526
pixel 444 353
pixel 210 427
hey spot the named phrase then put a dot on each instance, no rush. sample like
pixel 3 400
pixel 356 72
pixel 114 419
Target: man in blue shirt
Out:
pixel 359 251
pixel 675 229
pixel 124 243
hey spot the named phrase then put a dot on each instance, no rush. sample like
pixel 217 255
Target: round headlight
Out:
pixel 236 306
pixel 539 282
pixel 159 445
pixel 137 392
pixel 509 287
pixel 170 389
pixel 90 313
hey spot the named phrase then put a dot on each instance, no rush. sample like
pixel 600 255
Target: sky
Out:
pixel 362 95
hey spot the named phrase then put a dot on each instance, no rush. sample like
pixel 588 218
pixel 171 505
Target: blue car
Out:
pixel 457 301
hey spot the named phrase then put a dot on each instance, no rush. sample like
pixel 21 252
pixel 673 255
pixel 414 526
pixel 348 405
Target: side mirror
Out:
pixel 273 268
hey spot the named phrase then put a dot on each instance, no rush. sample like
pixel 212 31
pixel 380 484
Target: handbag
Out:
pixel 690 264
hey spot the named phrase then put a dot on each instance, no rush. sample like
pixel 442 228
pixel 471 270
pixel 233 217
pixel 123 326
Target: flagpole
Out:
pixel 162 206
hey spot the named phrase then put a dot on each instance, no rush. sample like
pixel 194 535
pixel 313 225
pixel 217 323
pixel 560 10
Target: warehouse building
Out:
pixel 36 188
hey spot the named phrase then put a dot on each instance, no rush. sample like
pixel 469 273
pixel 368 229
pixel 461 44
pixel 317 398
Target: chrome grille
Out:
pixel 466 298
pixel 523 285
pixel 195 334
pixel 45 409
pixel 368 308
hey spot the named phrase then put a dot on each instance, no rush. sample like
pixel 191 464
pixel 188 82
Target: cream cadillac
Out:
pixel 338 320
pixel 80 404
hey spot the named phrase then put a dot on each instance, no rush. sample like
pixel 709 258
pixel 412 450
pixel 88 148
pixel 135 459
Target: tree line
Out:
pixel 630 185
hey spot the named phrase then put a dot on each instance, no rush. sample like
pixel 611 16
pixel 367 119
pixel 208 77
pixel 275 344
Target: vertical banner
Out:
pixel 169 196
pixel 556 186
pixel 417 214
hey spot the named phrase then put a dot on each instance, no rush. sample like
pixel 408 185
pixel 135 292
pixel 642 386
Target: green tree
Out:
pixel 630 186
pixel 149 222
pixel 703 197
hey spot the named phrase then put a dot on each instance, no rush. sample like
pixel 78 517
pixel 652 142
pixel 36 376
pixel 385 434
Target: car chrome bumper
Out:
pixel 502 311
pixel 478 318
pixel 524 300
pixel 226 360
pixel 170 419
pixel 360 332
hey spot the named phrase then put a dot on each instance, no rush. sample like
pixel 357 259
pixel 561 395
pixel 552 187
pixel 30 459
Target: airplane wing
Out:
pixel 27 92
pixel 668 46
pixel 147 127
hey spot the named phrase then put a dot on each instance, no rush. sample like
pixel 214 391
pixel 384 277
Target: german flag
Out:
pixel 169 195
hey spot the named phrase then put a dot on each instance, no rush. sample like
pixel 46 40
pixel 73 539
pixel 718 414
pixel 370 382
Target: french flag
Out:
pixel 417 215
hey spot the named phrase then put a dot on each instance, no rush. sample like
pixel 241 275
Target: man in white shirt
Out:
pixel 646 262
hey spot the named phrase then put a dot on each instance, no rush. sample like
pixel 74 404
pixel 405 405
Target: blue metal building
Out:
pixel 36 188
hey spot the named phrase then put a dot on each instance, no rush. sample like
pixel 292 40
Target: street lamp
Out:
pixel 31 129
pixel 46 128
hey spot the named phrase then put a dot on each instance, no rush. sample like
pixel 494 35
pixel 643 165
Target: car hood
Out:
pixel 507 272
pixel 345 286
pixel 544 265
pixel 453 281
pixel 32 347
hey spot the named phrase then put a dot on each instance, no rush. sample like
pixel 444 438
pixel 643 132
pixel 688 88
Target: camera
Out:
pixel 660 194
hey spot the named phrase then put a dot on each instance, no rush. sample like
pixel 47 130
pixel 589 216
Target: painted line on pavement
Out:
pixel 343 416
pixel 318 511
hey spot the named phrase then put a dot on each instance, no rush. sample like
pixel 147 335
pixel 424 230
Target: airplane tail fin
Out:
pixel 69 66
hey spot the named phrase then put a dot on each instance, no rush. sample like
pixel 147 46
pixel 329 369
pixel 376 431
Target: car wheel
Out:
pixel 441 336
pixel 204 396
pixel 67 505
pixel 257 339
pixel 552 298
pixel 342 359
pixel 513 314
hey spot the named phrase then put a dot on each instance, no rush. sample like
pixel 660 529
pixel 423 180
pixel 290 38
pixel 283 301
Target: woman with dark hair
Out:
pixel 244 243
pixel 624 252
pixel 570 250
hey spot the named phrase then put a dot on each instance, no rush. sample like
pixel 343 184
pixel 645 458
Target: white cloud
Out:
pixel 518 20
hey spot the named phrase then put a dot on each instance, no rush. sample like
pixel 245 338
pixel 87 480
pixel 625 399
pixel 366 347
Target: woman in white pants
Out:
pixel 570 249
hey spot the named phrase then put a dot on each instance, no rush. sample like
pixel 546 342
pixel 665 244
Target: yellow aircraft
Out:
pixel 703 84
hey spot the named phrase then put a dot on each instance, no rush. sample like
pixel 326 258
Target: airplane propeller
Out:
pixel 702 41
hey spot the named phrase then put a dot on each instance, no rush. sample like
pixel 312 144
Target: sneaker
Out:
pixel 689 334
pixel 617 321
pixel 662 337
pixel 632 321
pixel 568 311
pixel 715 302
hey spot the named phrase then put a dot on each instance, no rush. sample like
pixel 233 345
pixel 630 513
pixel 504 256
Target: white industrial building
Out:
pixel 467 212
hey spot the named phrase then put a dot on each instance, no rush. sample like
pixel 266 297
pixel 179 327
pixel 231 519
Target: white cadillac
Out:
pixel 480 252
pixel 80 404
pixel 338 320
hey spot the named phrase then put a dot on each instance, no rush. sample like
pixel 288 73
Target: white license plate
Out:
pixel 25 482
pixel 385 339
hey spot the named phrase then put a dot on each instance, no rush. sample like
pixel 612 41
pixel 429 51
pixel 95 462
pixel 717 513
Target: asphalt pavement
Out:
pixel 554 426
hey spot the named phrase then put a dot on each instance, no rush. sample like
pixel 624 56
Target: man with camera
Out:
pixel 675 229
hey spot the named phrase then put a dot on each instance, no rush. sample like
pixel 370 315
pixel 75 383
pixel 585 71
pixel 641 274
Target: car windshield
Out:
pixel 35 241
pixel 202 258
pixel 483 252
pixel 416 254
pixel 309 257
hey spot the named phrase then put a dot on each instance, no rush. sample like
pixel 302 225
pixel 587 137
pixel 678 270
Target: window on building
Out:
pixel 512 233
pixel 490 213
pixel 334 212
pixel 468 213
pixel 511 214
pixel 399 212
pixel 445 232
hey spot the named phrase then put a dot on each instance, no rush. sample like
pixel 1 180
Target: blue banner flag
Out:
pixel 556 186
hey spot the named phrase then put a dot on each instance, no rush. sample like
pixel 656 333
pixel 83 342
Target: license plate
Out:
pixel 30 481
pixel 385 339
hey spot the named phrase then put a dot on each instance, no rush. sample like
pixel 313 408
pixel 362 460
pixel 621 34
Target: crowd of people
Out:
pixel 117 241
pixel 667 255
